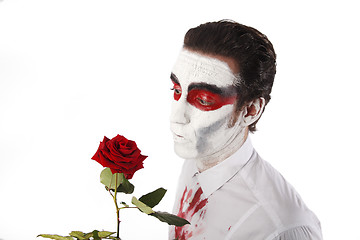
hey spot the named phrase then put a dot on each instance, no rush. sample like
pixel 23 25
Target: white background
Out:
pixel 72 71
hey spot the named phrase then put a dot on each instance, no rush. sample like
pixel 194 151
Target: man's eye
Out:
pixel 203 102
pixel 177 91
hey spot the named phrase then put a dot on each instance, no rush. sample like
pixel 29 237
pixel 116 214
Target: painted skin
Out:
pixel 203 106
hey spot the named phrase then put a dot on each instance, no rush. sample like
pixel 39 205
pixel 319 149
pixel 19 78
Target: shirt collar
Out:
pixel 213 178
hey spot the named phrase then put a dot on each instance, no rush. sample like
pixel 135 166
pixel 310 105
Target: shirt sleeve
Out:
pixel 299 233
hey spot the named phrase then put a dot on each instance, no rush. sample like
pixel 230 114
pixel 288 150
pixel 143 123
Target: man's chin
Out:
pixel 184 151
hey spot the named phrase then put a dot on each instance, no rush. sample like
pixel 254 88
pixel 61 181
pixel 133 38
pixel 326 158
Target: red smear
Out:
pixel 182 198
pixel 202 214
pixel 189 195
pixel 183 235
pixel 178 233
pixel 200 206
pixel 195 200
pixel 182 214
pixel 196 204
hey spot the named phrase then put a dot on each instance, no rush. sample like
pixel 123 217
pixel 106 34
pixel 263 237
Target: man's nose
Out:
pixel 179 112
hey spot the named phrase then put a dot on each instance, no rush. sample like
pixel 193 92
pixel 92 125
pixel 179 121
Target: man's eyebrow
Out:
pixel 225 91
pixel 174 78
pixel 206 86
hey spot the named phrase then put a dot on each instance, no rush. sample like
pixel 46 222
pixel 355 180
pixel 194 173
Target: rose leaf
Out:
pixel 125 186
pixel 105 234
pixel 153 198
pixel 141 206
pixel 99 234
pixel 96 235
pixel 79 235
pixel 56 237
pixel 109 179
pixel 170 219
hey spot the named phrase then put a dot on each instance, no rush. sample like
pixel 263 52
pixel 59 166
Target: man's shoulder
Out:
pixel 276 197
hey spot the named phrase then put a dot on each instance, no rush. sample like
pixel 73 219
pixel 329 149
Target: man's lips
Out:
pixel 177 135
pixel 179 138
pixel 180 134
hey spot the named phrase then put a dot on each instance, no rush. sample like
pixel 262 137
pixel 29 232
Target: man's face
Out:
pixel 203 105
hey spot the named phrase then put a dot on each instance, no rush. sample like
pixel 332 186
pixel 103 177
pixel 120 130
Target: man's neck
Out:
pixel 218 157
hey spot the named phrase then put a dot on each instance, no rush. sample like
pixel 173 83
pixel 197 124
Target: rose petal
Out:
pixel 120 155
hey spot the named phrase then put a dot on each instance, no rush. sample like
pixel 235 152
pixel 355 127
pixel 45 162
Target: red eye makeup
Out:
pixel 177 91
pixel 205 97
pixel 176 87
pixel 208 101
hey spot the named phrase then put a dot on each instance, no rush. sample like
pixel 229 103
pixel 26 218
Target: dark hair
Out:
pixel 252 51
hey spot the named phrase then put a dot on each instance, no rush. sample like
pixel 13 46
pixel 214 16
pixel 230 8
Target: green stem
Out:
pixel 117 208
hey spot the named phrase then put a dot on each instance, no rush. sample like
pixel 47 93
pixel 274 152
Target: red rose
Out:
pixel 120 155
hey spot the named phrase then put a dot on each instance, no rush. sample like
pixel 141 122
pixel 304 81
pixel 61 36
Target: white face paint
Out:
pixel 201 131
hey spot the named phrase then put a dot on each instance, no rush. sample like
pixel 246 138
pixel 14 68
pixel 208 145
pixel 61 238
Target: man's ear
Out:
pixel 252 111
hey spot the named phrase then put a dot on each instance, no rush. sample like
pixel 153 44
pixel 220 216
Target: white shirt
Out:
pixel 242 198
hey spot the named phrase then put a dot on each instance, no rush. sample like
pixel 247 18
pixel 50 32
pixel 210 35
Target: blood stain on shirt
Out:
pixel 187 209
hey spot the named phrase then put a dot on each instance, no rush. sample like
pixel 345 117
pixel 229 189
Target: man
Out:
pixel 222 82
